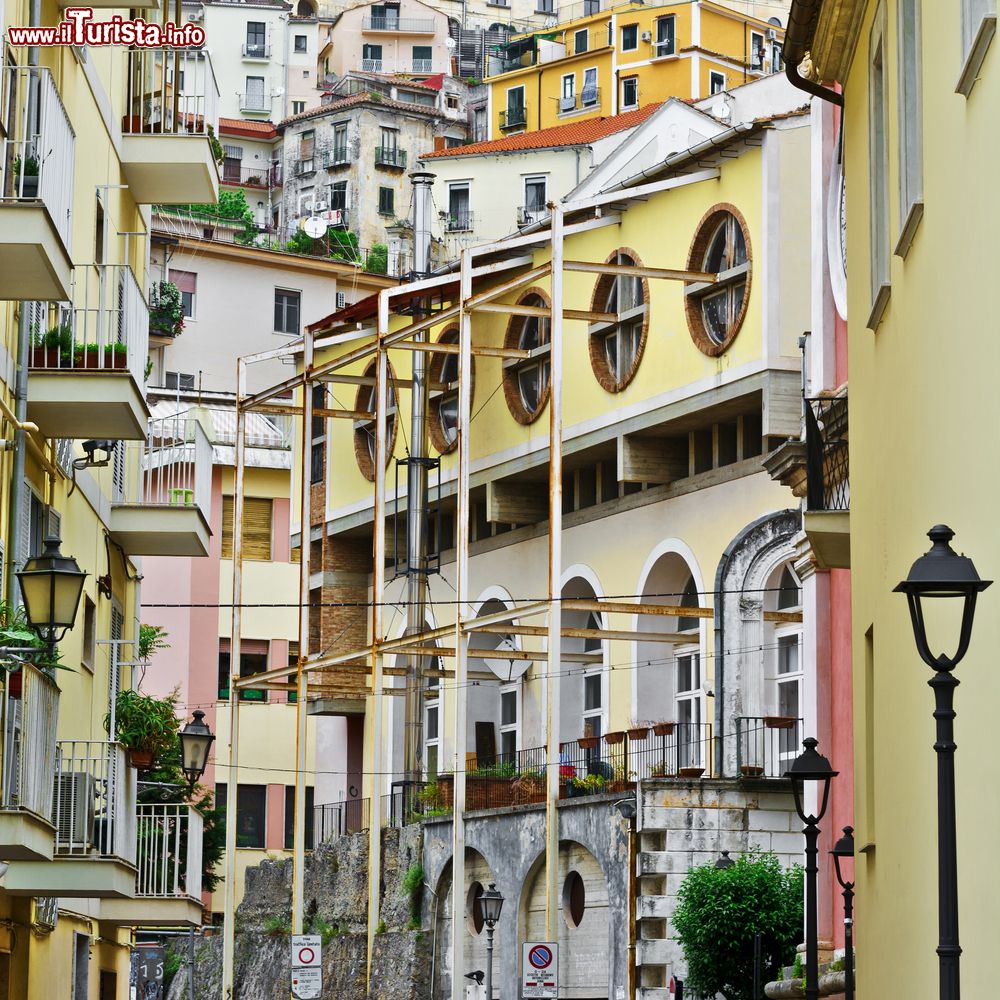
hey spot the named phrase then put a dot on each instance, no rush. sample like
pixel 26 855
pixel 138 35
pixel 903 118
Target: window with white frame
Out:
pixel 630 93
pixel 567 100
pixel 187 285
pixel 589 94
pixel 516 114
pixel 979 19
pixel 508 724
pixel 716 82
pixel 757 50
pixel 910 109
pixel 535 198
pixel 878 171
pixel 459 207
pixel 788 686
pixel 688 706
pixel 666 36
pixel 593 709
pixel 431 740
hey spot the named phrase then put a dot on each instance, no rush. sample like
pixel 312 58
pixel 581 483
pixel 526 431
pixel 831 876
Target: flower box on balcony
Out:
pixel 664 728
pixel 691 772
pixel 638 732
pixel 589 742
pixel 612 739
pixel 48 357
pixel 89 356
pixel 751 770
pixel 779 721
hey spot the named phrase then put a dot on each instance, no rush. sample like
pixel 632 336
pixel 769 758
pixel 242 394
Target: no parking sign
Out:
pixel 540 970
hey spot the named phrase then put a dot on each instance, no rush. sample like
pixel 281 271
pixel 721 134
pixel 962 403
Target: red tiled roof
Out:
pixel 256 130
pixel 575 134
pixel 398 80
pixel 355 99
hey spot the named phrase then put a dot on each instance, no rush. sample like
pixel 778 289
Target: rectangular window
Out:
pixel 978 27
pixel 290 816
pixel 508 725
pixel 89 632
pixel 386 200
pixel 593 713
pixel 567 99
pixel 589 94
pixel 878 160
pixel 459 214
pixel 371 58
pixel 535 194
pixel 788 694
pixel 390 138
pixel 301 43
pixel 178 380
pixel 422 58
pixel 298 107
pixel 757 50
pixel 910 107
pixel 630 92
pixel 665 36
pixel 286 311
pixel 187 285
pixel 257 512
pixel 515 107
pixel 451 102
pixel 251 813
pixel 81 967
pixel 431 741
pixel 630 37
pixel 250 664
pixel 716 82
pixel 580 40
pixel 317 472
pixel 254 99
pixel 256 38
pixel 688 704
pixel 338 196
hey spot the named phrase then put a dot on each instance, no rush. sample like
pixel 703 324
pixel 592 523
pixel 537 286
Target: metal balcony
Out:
pixel 37 154
pixel 513 118
pixel 339 156
pixel 255 103
pixel 828 486
pixel 460 221
pixel 399 25
pixel 391 157
pixel 162 490
pixel 172 101
pixel 253 52
pixel 766 745
pixel 423 65
pixel 371 65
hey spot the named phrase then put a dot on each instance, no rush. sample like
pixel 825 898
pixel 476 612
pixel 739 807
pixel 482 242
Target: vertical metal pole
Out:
pixel 756 966
pixel 554 660
pixel 378 588
pixel 632 892
pixel 190 975
pixel 301 677
pixel 489 962
pixel 461 639
pixel 949 951
pixel 232 785
pixel 849 941
pixel 812 929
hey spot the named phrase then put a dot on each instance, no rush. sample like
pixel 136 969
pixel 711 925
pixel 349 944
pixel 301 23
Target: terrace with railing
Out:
pixel 252 177
pixel 827 465
pixel 171 92
pixel 339 819
pixel 401 25
pixel 766 745
pixel 390 156
pixel 169 837
pixel 515 117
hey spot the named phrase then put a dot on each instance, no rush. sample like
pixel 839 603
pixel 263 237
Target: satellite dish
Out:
pixel 314 228
pixel 450 42
pixel 506 670
pixel 721 110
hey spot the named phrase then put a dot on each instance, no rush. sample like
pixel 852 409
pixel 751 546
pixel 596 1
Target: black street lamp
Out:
pixel 51 585
pixel 724 860
pixel 196 740
pixel 942 573
pixel 811 766
pixel 491 902
pixel 844 848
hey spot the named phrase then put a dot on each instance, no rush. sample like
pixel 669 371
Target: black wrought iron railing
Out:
pixel 338 819
pixel 827 467
pixel 459 221
pixel 390 156
pixel 515 117
pixel 672 750
pixel 766 745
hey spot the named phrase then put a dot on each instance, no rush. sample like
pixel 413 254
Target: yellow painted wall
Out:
pixel 923 408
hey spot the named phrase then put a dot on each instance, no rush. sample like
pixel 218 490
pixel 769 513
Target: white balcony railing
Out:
pixel 38 152
pixel 256 50
pixel 255 102
pixel 371 65
pixel 169 851
pixel 94 801
pixel 404 25
pixel 30 708
pixel 423 65
pixel 107 327
pixel 171 92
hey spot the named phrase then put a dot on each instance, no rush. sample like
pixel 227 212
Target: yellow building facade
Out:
pixel 623 56
pixel 921 88
pixel 89 139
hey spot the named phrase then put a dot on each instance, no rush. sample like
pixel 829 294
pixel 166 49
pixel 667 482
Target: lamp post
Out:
pixel 51 585
pixel 724 860
pixel 196 740
pixel 844 848
pixel 942 573
pixel 492 903
pixel 811 766
pixel 628 810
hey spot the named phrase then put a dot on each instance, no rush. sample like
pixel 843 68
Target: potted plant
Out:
pixel 26 177
pixel 612 739
pixel 638 730
pixel 779 721
pixel 589 742
pixel 95 356
pixel 166 311
pixel 664 728
pixel 591 784
pixel 145 725
pixel 53 349
pixel 659 770
pixel 692 771
pixel 751 770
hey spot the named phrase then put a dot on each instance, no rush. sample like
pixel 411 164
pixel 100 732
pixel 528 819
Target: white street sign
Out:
pixel 307 983
pixel 307 951
pixel 539 970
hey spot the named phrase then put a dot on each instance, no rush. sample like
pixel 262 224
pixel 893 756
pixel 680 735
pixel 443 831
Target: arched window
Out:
pixel 443 424
pixel 526 381
pixel 789 595
pixel 364 430
pixel 715 310
pixel 616 347
pixel 305 8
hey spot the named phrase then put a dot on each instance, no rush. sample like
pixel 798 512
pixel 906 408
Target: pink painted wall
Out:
pixel 274 836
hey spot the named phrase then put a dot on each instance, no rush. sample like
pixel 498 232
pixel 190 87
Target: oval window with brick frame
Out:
pixel 716 310
pixel 364 430
pixel 443 405
pixel 526 380
pixel 616 347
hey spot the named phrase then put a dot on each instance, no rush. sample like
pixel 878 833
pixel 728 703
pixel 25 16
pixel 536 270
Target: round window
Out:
pixel 443 406
pixel 716 309
pixel 574 899
pixel 474 909
pixel 616 345
pixel 364 430
pixel 526 381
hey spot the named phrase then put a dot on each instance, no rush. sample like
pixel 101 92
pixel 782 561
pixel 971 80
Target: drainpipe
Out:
pixel 802 19
pixel 416 498
pixel 21 378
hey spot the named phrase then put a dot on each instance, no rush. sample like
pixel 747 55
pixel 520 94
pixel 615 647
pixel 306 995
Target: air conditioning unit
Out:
pixel 646 36
pixel 341 300
pixel 320 206
pixel 74 796
pixel 772 35
pixel 567 103
pixel 46 914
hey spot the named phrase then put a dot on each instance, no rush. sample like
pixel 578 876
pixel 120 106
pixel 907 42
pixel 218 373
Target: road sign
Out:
pixel 539 970
pixel 307 983
pixel 307 951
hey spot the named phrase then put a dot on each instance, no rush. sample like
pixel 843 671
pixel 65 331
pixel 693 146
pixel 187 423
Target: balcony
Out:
pixel 766 745
pixel 828 487
pixel 303 167
pixel 36 187
pixel 459 221
pixel 339 156
pixel 251 177
pixel 516 117
pixel 390 157
pixel 86 371
pixel 29 708
pixel 253 52
pixel 168 876
pixel 528 215
pixel 371 65
pixel 399 25
pixel 255 103
pixel 173 102
pixel 334 820
pixel 588 100
pixel 163 491
pixel 423 65
pixel 94 795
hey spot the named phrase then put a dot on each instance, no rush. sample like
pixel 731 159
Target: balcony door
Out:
pixel 690 714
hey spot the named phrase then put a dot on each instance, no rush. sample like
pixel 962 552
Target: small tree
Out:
pixel 719 912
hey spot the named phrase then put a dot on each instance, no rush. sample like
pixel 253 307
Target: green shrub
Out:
pixel 378 259
pixel 277 926
pixel 144 722
pixel 413 886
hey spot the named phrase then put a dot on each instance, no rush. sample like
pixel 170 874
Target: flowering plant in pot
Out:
pixel 146 726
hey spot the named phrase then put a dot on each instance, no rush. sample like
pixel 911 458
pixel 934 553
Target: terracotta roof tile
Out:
pixel 352 101
pixel 237 126
pixel 574 134
pixel 396 80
